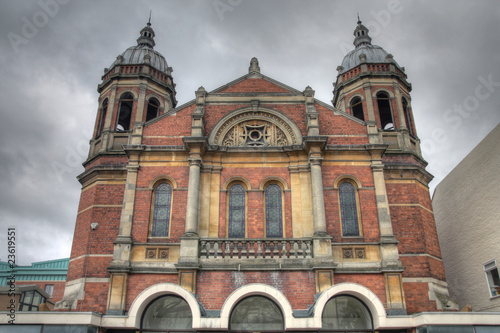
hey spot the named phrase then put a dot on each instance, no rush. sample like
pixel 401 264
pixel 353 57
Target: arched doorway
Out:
pixel 256 313
pixel 167 313
pixel 345 313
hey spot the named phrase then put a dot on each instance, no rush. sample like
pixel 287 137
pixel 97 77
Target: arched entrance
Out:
pixel 167 313
pixel 344 313
pixel 256 313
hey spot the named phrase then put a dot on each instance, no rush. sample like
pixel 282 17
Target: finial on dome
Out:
pixel 149 22
pixel 361 35
pixel 147 35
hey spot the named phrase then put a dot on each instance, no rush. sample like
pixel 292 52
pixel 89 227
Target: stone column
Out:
pixel 193 196
pixel 318 199
pixel 141 103
pixel 373 135
pixel 399 105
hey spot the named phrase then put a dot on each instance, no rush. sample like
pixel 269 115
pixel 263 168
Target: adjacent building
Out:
pixel 467 212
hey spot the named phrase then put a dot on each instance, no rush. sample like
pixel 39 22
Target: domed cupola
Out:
pixel 371 87
pixel 365 52
pixel 136 89
pixel 143 52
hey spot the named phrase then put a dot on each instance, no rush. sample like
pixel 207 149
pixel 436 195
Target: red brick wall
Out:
pixel 137 283
pixel 417 300
pixel 213 288
pixel 254 85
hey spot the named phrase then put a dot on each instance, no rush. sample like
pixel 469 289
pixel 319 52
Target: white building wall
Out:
pixel 467 212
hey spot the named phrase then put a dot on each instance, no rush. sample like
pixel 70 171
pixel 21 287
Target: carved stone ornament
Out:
pixel 255 129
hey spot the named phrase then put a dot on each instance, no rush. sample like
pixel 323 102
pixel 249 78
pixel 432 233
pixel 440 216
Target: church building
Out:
pixel 256 207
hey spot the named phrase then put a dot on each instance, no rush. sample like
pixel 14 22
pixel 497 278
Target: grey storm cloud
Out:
pixel 53 52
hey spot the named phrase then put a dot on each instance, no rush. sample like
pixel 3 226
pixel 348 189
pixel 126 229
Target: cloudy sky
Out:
pixel 53 52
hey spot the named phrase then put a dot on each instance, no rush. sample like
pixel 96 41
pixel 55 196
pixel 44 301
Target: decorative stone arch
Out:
pixel 387 90
pixel 358 94
pixel 158 98
pixel 256 289
pixel 124 91
pixel 279 130
pixel 161 179
pixel 349 177
pixel 150 294
pixel 364 294
pixel 238 179
pixel 273 180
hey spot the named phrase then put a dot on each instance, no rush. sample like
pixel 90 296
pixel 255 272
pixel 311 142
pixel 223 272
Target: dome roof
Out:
pixel 135 55
pixel 372 53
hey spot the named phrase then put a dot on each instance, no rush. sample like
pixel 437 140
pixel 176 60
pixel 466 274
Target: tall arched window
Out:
pixel 406 111
pixel 345 314
pixel 348 210
pixel 256 313
pixel 357 108
pixel 384 111
pixel 274 211
pixel 236 212
pixel 102 118
pixel 125 112
pixel 153 106
pixel 162 202
pixel 167 313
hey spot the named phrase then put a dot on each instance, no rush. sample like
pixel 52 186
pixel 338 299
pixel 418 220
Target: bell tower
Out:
pixel 372 87
pixel 137 88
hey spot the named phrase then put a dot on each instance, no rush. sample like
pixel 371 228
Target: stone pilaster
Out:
pixel 120 265
pixel 105 135
pixel 374 137
pixel 388 243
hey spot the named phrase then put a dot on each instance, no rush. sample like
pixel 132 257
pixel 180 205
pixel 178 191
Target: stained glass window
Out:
pixel 161 213
pixel 236 221
pixel 348 209
pixel 168 313
pixel 346 312
pixel 274 211
pixel 256 313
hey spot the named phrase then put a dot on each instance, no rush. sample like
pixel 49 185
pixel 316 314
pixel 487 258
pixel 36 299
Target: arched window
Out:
pixel 348 210
pixel 343 313
pixel 406 111
pixel 384 111
pixel 357 108
pixel 274 211
pixel 167 313
pixel 153 106
pixel 102 118
pixel 125 112
pixel 236 212
pixel 256 313
pixel 162 201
